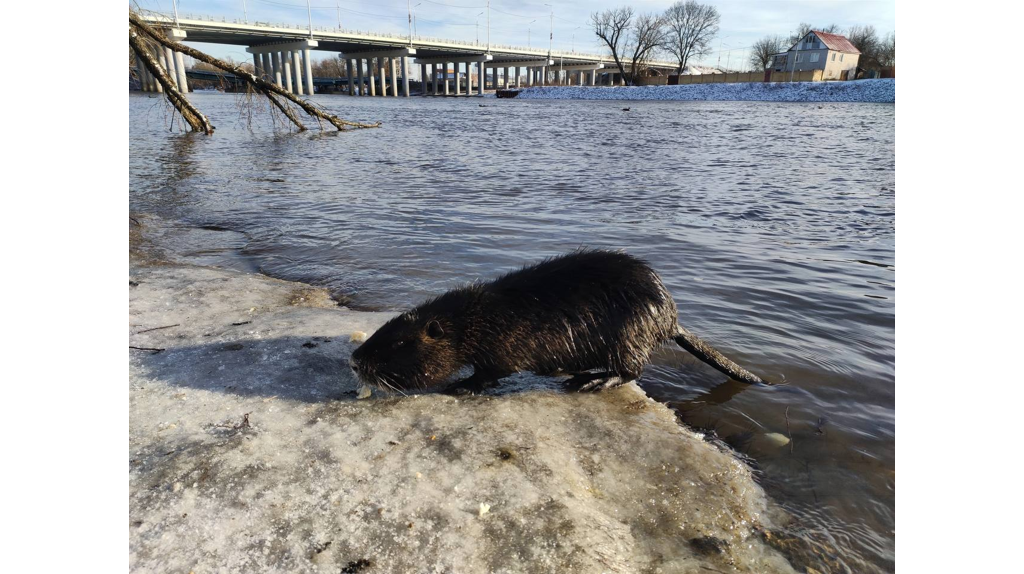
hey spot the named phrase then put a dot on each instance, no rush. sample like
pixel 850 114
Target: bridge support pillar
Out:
pixel 286 70
pixel 153 83
pixel 382 65
pixel 278 69
pixel 444 71
pixel 394 77
pixel 405 76
pixel 371 77
pixel 169 65
pixel 434 71
pixel 351 69
pixel 359 71
pixel 143 77
pixel 266 70
pixel 308 69
pixel 458 88
pixel 256 64
pixel 179 66
pixel 297 72
pixel 423 79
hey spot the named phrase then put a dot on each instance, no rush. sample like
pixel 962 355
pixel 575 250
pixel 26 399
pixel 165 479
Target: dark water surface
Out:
pixel 772 224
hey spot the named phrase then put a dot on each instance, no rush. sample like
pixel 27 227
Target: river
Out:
pixel 773 224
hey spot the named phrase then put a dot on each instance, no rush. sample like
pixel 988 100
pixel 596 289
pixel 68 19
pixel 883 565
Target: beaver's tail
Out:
pixel 711 356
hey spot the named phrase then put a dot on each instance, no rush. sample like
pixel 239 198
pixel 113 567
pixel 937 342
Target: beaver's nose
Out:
pixel 354 364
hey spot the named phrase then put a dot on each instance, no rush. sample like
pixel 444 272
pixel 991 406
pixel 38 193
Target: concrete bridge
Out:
pixel 447 67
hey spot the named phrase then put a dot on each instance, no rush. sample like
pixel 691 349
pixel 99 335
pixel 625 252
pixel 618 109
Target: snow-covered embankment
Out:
pixel 878 91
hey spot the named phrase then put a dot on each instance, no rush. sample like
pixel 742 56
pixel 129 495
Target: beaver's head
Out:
pixel 413 351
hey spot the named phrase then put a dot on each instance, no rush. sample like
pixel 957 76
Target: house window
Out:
pixel 833 56
pixel 799 58
pixel 814 57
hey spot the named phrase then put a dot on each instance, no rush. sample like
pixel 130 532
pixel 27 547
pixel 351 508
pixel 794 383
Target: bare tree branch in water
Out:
pixel 195 119
pixel 139 33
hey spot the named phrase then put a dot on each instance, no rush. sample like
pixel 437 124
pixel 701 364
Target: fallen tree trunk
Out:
pixel 278 96
pixel 195 119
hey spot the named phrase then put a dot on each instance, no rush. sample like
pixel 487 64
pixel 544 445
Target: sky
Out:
pixel 523 22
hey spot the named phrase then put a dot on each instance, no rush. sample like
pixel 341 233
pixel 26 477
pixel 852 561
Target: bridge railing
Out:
pixel 555 54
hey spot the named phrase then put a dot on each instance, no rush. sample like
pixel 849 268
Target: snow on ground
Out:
pixel 879 91
pixel 248 452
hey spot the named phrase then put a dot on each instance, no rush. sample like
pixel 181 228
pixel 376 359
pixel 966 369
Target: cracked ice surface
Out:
pixel 532 481
pixel 879 91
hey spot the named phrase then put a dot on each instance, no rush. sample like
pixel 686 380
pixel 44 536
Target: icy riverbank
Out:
pixel 249 453
pixel 878 91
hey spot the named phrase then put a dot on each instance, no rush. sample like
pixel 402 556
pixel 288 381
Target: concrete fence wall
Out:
pixel 652 81
pixel 744 77
pixel 804 76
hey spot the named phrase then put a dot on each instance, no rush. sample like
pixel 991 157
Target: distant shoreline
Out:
pixel 868 91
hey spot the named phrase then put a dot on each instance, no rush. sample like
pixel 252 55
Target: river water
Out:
pixel 772 224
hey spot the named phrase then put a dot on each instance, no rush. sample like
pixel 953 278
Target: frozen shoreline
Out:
pixel 249 452
pixel 876 91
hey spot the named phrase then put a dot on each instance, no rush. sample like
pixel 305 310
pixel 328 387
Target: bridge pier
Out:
pixel 394 77
pixel 371 77
pixel 382 65
pixel 351 65
pixel 286 64
pixel 169 66
pixel 308 69
pixel 359 70
pixel 440 66
pixel 405 76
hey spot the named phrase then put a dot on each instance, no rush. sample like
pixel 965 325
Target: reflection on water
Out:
pixel 772 224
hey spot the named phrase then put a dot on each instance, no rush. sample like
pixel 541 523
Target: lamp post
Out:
pixel 551 29
pixel 574 38
pixel 245 13
pixel 488 28
pixel 478 28
pixel 338 4
pixel 309 14
pixel 528 33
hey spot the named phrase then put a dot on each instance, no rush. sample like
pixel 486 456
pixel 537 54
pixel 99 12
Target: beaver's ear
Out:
pixel 434 330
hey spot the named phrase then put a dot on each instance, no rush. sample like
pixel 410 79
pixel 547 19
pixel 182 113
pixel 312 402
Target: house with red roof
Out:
pixel 833 54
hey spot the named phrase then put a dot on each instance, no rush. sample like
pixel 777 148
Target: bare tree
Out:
pixel 804 28
pixel 887 51
pixel 866 40
pixel 612 27
pixel 646 35
pixel 632 41
pixel 143 38
pixel 763 50
pixel 691 27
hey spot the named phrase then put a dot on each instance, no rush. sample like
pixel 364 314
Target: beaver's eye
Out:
pixel 398 344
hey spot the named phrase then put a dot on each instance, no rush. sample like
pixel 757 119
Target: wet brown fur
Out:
pixel 589 310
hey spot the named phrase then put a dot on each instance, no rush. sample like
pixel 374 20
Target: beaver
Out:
pixel 593 314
